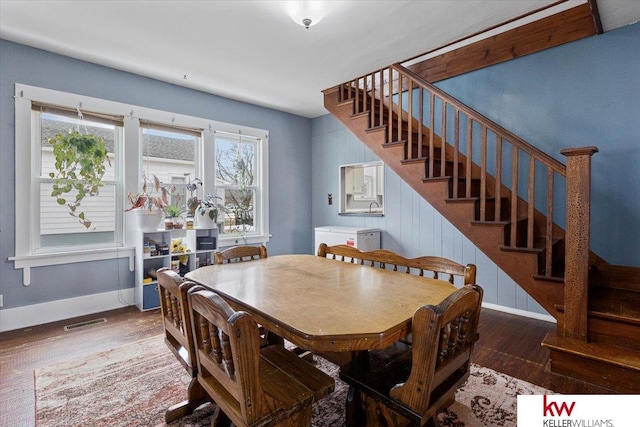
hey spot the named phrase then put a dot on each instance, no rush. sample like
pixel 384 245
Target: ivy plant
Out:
pixel 80 161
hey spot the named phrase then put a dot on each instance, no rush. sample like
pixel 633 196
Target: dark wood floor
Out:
pixel 508 343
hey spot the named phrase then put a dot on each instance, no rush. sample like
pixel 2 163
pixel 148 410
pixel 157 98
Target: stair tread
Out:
pixel 375 128
pixel 362 113
pixel 554 279
pixel 617 355
pixel 393 144
pixel 478 222
pixel 520 249
pixel 461 199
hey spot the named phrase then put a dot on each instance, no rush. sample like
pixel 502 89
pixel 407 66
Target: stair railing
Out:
pixel 395 97
pixel 444 130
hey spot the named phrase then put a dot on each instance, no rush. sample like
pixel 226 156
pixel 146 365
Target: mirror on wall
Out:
pixel 362 189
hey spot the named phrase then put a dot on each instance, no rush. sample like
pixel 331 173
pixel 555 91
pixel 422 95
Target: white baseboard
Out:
pixel 38 314
pixel 523 313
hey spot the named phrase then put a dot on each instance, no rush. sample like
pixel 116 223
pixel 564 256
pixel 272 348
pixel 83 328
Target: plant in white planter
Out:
pixel 210 208
pixel 149 204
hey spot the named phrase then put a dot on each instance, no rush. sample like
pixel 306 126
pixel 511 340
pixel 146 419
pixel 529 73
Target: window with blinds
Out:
pixel 57 228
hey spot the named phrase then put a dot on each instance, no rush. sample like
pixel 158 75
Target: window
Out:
pixel 237 184
pixel 169 154
pixel 57 228
pixel 176 148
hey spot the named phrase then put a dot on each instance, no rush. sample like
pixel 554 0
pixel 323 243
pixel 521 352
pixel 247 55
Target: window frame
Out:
pixel 256 187
pixel 38 179
pixel 129 179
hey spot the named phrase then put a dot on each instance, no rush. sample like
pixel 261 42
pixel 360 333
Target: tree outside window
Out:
pixel 236 183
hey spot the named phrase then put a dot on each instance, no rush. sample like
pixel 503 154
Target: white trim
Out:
pixel 523 313
pixel 26 262
pixel 38 314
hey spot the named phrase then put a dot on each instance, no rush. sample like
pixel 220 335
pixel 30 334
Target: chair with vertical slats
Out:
pixel 178 337
pixel 240 254
pixel 244 254
pixel 384 258
pixel 408 385
pixel 251 386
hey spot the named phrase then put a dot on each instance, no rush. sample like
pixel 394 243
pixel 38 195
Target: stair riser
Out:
pixel 613 377
pixel 462 188
pixel 490 210
pixel 609 332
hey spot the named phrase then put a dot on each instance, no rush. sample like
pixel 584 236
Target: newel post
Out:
pixel 576 272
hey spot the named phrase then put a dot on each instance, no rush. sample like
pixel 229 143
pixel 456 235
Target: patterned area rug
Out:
pixel 133 385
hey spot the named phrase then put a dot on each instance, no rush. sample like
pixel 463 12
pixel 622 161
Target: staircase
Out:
pixel 499 191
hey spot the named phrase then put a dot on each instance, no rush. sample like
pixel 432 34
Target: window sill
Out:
pixel 26 262
pixel 227 240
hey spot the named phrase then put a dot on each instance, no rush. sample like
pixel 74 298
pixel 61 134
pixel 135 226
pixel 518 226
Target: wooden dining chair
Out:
pixel 409 385
pixel 381 258
pixel 441 269
pixel 438 266
pixel 250 386
pixel 240 254
pixel 384 258
pixel 178 337
pixel 244 254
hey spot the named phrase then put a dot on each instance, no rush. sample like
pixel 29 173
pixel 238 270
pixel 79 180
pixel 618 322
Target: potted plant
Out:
pixel 80 162
pixel 172 214
pixel 209 209
pixel 149 207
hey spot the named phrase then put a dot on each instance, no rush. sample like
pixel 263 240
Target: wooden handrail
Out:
pixel 490 124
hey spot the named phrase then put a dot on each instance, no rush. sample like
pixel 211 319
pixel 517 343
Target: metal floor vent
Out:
pixel 83 324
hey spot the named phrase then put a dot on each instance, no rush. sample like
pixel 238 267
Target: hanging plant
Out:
pixel 80 161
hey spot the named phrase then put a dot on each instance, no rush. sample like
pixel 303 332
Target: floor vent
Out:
pixel 83 324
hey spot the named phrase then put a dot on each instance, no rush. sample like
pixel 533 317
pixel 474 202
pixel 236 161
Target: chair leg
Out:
pixel 196 396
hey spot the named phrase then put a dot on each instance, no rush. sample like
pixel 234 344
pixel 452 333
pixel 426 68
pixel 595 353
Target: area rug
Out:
pixel 133 385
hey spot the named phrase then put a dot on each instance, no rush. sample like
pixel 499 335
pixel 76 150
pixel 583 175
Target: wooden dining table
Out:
pixel 324 305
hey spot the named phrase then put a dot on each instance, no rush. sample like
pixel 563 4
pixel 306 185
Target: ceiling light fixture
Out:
pixel 306 12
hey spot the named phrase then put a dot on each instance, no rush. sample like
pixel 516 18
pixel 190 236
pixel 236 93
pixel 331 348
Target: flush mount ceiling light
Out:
pixel 306 12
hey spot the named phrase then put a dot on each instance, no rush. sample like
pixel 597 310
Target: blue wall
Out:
pixel 580 94
pixel 289 159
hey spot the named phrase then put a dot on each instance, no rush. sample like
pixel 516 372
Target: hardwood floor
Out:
pixel 508 343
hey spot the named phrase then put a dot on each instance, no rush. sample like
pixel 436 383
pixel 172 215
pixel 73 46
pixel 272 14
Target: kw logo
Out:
pixel 552 409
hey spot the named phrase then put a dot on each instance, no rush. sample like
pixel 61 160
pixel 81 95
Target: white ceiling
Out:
pixel 251 50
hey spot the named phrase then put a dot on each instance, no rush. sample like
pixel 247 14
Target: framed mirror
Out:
pixel 362 189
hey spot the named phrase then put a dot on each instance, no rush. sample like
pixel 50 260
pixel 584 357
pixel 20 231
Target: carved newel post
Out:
pixel 576 274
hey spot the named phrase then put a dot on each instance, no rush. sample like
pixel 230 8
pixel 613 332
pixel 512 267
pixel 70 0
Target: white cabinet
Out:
pixel 154 251
pixel 354 183
pixel 365 239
